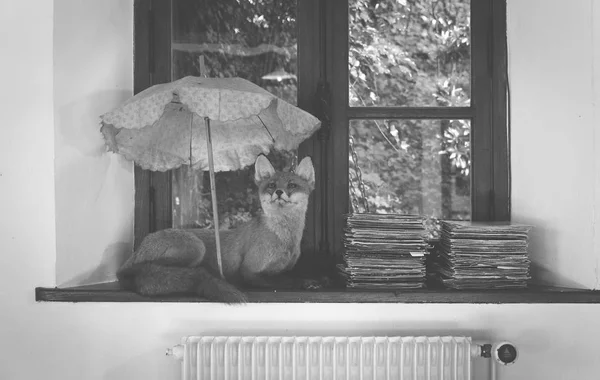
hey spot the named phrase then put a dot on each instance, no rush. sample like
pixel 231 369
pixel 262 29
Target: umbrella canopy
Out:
pixel 163 127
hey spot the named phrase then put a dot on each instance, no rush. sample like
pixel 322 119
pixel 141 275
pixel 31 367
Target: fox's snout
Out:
pixel 279 195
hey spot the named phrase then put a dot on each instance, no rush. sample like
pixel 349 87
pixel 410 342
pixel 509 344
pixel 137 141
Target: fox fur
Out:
pixel 255 254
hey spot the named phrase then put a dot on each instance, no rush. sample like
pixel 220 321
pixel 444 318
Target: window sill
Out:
pixel 111 292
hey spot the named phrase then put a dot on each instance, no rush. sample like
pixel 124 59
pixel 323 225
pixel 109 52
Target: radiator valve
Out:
pixel 505 353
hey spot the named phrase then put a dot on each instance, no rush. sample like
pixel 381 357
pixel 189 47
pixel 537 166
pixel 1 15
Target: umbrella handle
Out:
pixel 202 66
pixel 213 193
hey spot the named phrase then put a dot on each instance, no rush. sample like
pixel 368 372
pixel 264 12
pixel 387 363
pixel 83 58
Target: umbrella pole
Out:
pixel 213 193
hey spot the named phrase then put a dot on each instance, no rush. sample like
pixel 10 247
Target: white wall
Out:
pixel 93 73
pixel 127 341
pixel 555 83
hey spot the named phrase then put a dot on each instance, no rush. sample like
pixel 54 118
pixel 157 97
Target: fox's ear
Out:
pixel 306 170
pixel 262 168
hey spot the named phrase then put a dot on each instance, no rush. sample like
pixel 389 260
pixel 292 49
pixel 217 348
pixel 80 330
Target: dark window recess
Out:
pixel 422 83
pixel 419 85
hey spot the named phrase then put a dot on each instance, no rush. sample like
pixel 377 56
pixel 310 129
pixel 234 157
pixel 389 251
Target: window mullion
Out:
pixel 500 116
pixel 482 194
pixel 152 66
pixel 337 74
pixel 310 73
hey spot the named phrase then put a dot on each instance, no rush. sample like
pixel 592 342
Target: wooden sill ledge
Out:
pixel 111 292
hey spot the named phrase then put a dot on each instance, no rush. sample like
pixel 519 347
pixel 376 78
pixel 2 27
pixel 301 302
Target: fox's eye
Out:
pixel 271 185
pixel 292 185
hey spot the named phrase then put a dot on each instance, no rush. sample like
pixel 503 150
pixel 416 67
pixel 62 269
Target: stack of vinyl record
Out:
pixel 384 251
pixel 482 255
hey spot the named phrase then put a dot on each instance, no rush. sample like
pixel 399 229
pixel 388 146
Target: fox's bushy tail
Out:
pixel 155 279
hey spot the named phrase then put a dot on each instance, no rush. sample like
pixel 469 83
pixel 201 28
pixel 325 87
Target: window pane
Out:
pixel 409 53
pixel 411 167
pixel 250 39
pixel 237 198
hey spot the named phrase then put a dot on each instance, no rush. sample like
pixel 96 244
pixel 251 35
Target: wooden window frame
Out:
pixel 323 91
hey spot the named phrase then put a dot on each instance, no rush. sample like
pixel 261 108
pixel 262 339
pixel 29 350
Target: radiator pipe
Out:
pixel 176 352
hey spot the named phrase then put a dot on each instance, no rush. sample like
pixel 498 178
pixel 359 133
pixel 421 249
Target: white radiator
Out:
pixel 324 358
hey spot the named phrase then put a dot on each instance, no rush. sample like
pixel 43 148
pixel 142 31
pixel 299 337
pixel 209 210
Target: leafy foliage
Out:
pixel 410 53
pixel 401 53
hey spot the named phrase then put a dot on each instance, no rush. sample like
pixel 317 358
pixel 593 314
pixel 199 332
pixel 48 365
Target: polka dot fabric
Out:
pixel 154 127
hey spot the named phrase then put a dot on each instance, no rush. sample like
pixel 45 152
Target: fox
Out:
pixel 256 254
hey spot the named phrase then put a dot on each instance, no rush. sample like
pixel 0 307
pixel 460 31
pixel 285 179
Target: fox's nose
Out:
pixel 279 192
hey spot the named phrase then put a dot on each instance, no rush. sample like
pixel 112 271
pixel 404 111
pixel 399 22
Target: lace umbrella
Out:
pixel 215 124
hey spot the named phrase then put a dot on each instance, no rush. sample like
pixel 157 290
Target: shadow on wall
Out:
pixel 112 259
pixel 78 123
pixel 241 325
pixel 94 194
pixel 148 365
pixel 544 255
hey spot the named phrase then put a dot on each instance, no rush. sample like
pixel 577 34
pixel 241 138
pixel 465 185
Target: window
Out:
pixel 412 95
pixel 342 52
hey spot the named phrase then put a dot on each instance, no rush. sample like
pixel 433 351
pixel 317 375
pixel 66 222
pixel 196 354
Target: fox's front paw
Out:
pixel 226 294
pixel 316 284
